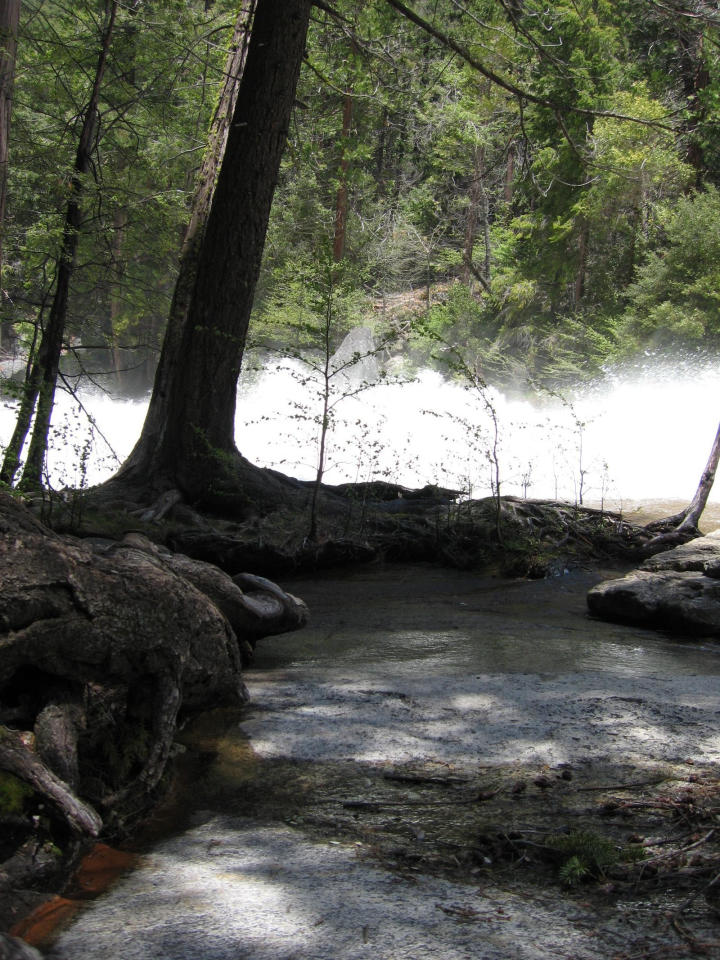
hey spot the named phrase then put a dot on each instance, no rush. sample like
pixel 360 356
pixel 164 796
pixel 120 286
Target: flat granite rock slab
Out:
pixel 687 556
pixel 232 889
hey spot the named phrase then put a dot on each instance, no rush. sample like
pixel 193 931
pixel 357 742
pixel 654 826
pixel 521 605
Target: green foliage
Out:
pixel 463 318
pixel 571 201
pixel 165 62
pixel 545 239
pixel 586 855
pixel 675 297
pixel 292 318
pixel 573 871
pixel 509 347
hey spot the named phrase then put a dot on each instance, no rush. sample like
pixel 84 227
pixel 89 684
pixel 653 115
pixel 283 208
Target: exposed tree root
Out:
pixel 168 701
pixel 103 644
pixel 19 759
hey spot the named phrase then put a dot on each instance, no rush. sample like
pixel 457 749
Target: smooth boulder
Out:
pixel 677 591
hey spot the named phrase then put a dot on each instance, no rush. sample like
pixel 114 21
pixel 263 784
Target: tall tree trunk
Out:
pixel 696 78
pixel 23 419
pixel 220 124
pixel 119 225
pixel 640 226
pixel 468 269
pixel 509 174
pixel 48 356
pixel 195 230
pixel 579 285
pixel 188 435
pixel 692 514
pixel 9 19
pixel 478 213
pixel 683 526
pixel 380 152
pixel 39 388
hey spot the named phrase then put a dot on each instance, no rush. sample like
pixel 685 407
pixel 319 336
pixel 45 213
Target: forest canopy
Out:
pixel 536 182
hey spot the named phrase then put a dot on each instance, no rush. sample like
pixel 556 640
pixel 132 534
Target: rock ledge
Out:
pixel 677 591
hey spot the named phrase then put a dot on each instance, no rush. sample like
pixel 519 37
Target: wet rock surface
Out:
pixel 282 895
pixel 413 783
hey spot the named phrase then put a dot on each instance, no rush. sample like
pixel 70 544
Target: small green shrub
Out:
pixel 585 855
pixel 573 871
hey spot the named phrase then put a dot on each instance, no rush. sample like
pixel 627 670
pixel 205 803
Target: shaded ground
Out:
pixel 414 776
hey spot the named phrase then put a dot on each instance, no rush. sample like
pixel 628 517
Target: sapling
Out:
pixel 526 478
pixel 335 387
pixel 477 387
pixel 579 428
pixel 325 309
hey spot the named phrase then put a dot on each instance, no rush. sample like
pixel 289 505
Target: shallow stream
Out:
pixel 346 813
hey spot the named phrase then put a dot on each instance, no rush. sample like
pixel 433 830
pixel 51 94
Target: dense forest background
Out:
pixel 534 227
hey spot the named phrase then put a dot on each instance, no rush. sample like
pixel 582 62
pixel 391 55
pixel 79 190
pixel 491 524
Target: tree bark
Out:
pixel 17 758
pixel 9 20
pixel 40 387
pixel 188 436
pixel 11 460
pixel 683 526
pixel 220 124
pixel 199 211
pixel 478 213
pixel 104 647
pixel 692 515
pixel 341 203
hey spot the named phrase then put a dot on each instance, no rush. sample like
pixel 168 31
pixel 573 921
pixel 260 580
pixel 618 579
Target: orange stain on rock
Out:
pixel 45 920
pixel 97 871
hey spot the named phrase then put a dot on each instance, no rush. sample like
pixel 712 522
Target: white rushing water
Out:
pixel 643 432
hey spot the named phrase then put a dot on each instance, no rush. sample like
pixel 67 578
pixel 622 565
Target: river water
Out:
pixel 640 432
